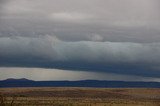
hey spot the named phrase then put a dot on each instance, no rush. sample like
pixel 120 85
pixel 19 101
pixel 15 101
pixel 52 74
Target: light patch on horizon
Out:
pixel 39 74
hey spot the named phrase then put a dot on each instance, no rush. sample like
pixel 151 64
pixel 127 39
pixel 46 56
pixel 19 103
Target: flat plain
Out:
pixel 76 96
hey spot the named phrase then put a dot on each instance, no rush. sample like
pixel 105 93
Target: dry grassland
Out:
pixel 54 96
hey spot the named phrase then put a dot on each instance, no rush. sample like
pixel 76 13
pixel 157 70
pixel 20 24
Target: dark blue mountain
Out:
pixel 83 83
pixel 18 80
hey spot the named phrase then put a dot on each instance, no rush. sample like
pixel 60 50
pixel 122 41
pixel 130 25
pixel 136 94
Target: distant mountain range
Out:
pixel 82 83
pixel 17 80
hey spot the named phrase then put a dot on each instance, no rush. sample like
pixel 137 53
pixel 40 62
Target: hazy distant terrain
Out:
pixel 62 96
pixel 82 83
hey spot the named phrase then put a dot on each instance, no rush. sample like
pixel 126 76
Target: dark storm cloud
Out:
pixel 95 35
pixel 50 52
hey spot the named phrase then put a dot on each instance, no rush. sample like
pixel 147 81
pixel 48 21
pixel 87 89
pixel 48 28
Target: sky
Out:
pixel 80 39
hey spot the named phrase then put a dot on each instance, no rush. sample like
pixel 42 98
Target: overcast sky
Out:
pixel 88 38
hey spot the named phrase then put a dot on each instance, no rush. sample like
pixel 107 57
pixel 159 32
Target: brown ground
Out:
pixel 79 97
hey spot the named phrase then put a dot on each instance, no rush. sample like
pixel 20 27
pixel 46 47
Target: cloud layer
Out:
pixel 50 52
pixel 121 37
pixel 117 21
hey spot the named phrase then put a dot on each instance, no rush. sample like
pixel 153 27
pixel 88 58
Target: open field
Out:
pixel 50 96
